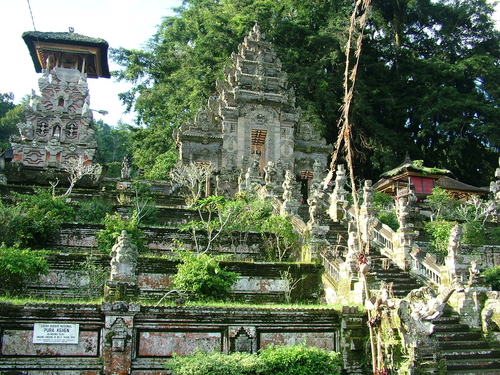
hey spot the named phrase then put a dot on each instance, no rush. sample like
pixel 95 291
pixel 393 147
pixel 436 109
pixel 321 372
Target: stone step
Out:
pixel 467 354
pixel 463 345
pixel 451 327
pixel 476 365
pixel 473 372
pixel 457 336
pixel 447 319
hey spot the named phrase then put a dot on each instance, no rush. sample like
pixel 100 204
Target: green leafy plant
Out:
pixel 18 266
pixel 299 360
pixel 33 219
pixel 492 277
pixel 90 284
pixel 439 231
pixel 442 204
pixel 273 360
pixel 113 226
pixel 280 237
pixel 93 211
pixel 389 218
pixel 202 275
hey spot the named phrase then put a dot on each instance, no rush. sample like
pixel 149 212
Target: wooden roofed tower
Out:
pixel 58 123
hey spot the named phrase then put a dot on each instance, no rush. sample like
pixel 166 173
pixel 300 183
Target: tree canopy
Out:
pixel 427 82
pixel 10 115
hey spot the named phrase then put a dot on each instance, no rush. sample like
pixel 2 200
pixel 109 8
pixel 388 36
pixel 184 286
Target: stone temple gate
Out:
pixel 252 117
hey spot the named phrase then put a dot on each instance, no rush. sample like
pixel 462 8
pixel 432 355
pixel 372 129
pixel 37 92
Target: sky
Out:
pixel 122 23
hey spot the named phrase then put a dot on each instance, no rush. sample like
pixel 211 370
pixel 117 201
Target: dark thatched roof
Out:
pixel 32 38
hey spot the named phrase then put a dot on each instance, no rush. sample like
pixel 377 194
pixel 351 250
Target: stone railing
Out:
pixel 427 268
pixel 332 268
pixel 383 235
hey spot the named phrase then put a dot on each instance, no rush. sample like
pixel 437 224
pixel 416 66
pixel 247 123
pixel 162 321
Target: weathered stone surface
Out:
pixel 323 340
pixel 20 342
pixel 164 344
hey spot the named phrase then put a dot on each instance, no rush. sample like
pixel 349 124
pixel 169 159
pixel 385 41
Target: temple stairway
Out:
pixel 383 268
pixel 465 350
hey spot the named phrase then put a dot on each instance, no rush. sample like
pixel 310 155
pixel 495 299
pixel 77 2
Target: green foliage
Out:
pixel 474 233
pixel 493 235
pixel 18 266
pixel 439 232
pixel 389 218
pixel 93 211
pixel 113 143
pixel 114 169
pixel 428 83
pixel 273 360
pixel 33 219
pixel 280 237
pixel 300 360
pixel 90 284
pixel 164 163
pixel 382 200
pixel 214 363
pixel 202 275
pixel 492 277
pixel 113 226
pixel 442 204
pixel 9 121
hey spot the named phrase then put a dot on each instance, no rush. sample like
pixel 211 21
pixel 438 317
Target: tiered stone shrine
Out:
pixel 58 123
pixel 253 117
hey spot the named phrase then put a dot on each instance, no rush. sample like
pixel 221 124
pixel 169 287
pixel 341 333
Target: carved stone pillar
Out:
pixel 118 337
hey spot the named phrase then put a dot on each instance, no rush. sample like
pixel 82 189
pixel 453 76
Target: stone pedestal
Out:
pixel 403 240
pixel 124 185
pixel 336 211
pixel 120 291
pixel 118 337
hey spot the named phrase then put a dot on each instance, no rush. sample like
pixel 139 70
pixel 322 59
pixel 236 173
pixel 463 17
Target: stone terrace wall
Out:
pixel 77 237
pixel 258 282
pixel 132 339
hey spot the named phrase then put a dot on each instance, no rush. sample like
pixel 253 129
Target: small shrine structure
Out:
pixel 58 124
pixel 412 177
pixel 251 118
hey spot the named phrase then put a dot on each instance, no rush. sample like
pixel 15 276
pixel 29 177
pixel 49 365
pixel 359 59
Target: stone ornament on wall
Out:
pixel 243 339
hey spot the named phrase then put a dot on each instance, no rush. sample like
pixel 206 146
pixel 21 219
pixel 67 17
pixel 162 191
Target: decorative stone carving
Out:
pixel 253 113
pixel 339 191
pixel 402 212
pixel 126 168
pixel 58 122
pixel 367 194
pixel 418 310
pixel 124 259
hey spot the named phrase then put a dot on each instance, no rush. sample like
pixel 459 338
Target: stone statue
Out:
pixel 455 240
pixel 368 194
pixel 339 193
pixel 124 259
pixel 271 172
pixel 315 202
pixel 402 212
pixel 418 310
pixel 25 130
pixel 126 168
pixel 288 185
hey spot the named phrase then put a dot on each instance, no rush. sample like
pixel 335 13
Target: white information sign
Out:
pixel 49 333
